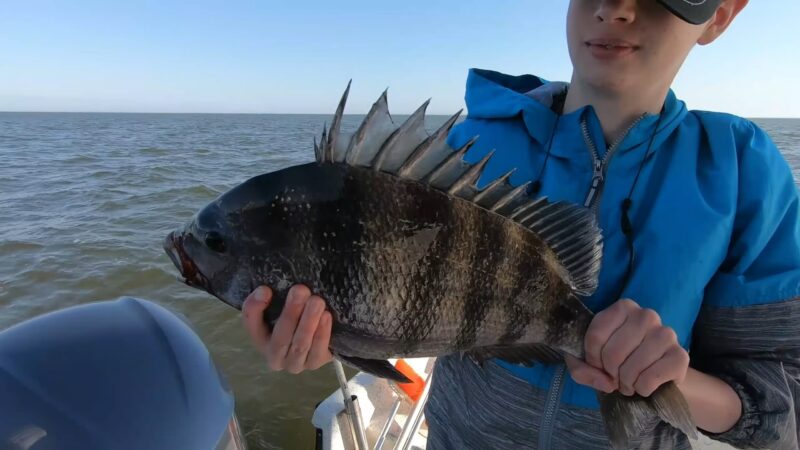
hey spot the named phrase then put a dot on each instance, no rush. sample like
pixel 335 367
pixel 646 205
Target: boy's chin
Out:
pixel 609 82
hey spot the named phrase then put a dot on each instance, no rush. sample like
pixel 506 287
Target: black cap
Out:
pixel 692 11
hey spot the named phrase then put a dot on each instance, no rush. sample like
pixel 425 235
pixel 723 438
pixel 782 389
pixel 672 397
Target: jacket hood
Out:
pixel 494 95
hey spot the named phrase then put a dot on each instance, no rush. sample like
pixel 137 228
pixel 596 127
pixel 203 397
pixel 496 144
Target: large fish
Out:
pixel 388 226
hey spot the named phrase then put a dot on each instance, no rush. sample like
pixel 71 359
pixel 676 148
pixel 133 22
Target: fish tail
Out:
pixel 625 417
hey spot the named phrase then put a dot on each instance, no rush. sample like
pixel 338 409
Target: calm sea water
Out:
pixel 86 199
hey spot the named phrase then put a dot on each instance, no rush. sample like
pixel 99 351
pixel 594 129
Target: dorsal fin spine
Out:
pixel 336 125
pixel 378 116
pixel 469 177
pixel 496 188
pixel 445 167
pixel 413 122
pixel 359 136
pixel 430 174
pixel 323 144
pixel 436 140
pixel 506 199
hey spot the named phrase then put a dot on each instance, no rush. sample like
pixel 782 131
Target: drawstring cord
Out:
pixel 536 186
pixel 625 220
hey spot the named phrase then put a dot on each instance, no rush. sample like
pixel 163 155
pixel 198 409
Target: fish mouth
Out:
pixel 192 276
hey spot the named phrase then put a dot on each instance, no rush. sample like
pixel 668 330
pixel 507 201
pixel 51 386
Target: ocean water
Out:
pixel 86 199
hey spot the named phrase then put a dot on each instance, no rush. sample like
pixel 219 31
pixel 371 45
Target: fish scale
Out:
pixel 412 258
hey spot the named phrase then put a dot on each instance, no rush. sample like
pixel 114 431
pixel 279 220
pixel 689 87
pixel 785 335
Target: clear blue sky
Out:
pixel 296 56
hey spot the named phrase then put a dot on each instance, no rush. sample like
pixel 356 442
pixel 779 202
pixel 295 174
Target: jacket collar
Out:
pixel 494 95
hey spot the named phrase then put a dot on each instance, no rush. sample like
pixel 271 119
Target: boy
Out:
pixel 701 247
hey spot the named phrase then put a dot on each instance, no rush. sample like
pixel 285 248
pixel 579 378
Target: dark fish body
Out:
pixel 413 259
pixel 406 269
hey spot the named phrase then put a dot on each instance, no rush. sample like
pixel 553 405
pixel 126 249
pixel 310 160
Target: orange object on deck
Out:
pixel 417 384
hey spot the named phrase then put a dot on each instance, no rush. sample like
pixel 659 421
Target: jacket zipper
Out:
pixel 600 165
pixel 551 408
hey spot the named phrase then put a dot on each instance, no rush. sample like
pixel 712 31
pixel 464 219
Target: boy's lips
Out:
pixel 610 48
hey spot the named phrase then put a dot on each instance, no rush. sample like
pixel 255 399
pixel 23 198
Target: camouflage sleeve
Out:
pixel 755 349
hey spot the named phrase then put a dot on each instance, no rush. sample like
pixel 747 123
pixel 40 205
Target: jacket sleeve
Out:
pixel 748 330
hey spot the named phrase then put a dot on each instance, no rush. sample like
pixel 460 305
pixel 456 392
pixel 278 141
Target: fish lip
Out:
pixel 192 276
pixel 171 249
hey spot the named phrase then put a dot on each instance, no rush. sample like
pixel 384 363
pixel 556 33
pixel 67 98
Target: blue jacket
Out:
pixel 714 214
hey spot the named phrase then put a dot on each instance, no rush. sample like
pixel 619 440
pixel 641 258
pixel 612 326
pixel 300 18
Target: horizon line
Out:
pixel 283 114
pixel 214 113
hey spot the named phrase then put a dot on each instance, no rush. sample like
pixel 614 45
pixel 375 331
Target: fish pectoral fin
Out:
pixel 626 416
pixel 377 367
pixel 518 354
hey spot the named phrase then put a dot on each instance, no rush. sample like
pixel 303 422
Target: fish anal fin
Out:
pixel 526 354
pixel 377 367
pixel 626 416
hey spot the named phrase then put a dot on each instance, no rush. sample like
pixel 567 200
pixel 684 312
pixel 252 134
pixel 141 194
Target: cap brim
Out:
pixel 692 11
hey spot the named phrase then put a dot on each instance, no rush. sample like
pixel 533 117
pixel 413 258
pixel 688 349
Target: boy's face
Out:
pixel 629 45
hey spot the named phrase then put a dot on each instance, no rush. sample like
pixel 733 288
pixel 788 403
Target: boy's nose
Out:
pixel 616 11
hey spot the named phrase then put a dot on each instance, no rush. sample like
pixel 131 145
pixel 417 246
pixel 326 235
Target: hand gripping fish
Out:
pixel 388 226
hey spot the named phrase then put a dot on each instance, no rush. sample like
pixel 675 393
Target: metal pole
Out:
pixel 388 424
pixel 414 420
pixel 352 409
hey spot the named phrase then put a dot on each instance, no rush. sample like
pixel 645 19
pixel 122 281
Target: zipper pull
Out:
pixel 597 178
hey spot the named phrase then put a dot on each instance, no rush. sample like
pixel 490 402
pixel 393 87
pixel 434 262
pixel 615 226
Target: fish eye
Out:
pixel 215 242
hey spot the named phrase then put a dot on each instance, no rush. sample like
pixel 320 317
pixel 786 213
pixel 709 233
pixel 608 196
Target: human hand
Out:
pixel 300 338
pixel 628 349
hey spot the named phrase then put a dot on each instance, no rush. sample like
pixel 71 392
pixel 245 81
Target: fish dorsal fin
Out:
pixel 409 152
pixel 333 141
pixel 572 233
pixel 426 156
pixel 371 134
pixel 405 139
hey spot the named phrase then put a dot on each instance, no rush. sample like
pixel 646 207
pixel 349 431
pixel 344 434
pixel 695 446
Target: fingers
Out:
pixel 283 333
pixel 253 316
pixel 671 367
pixel 627 338
pixel 602 327
pixel 632 348
pixel 320 354
pixel 304 334
pixel 652 349
pixel 301 336
pixel 587 375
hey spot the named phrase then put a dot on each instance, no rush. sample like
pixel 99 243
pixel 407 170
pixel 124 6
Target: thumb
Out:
pixel 253 315
pixel 588 375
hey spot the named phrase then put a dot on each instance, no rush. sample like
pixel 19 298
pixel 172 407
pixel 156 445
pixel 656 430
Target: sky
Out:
pixel 269 56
